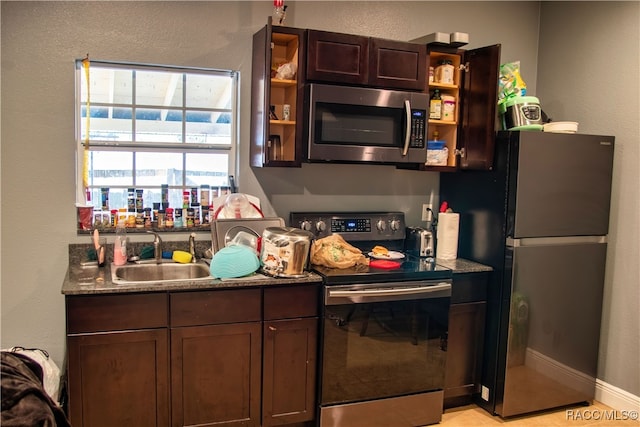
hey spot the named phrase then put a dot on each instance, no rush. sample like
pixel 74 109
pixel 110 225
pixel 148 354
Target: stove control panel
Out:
pixel 353 226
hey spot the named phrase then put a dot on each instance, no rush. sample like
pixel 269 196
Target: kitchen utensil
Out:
pixel 181 257
pixel 521 113
pixel 234 261
pixel 388 256
pixel 248 238
pixel 99 244
pixel 285 251
pixel 275 148
pixel 384 264
pixel 237 205
pixel 561 127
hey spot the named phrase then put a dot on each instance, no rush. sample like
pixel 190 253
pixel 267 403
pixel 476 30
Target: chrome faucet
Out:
pixel 192 246
pixel 157 246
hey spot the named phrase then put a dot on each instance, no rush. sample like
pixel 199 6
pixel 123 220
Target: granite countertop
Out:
pixel 463 265
pixel 97 280
pixel 86 280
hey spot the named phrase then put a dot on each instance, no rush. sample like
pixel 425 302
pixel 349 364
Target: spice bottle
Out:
pixel 168 218
pixel 178 220
pixel 164 196
pixel 147 217
pixel 160 219
pixel 131 200
pixel 190 218
pixel 185 199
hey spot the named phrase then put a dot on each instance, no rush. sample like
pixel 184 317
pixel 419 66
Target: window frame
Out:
pixel 232 149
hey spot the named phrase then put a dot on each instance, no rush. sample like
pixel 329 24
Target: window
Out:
pixel 144 126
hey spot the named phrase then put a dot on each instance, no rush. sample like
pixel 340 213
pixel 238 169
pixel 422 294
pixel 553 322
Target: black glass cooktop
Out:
pixel 411 268
pixel 364 230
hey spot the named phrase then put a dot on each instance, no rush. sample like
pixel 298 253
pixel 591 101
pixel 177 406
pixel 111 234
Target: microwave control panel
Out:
pixel 418 128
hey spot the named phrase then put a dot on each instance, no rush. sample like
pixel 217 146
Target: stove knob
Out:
pixel 321 226
pixel 395 225
pixel 381 225
pixel 305 225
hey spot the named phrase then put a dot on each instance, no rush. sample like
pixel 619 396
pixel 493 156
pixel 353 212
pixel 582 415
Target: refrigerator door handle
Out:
pixel 545 241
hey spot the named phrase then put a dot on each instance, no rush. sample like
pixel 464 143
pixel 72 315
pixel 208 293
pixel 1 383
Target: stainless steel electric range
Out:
pixel 384 330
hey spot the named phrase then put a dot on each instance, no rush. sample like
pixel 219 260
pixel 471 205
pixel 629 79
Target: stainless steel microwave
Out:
pixel 356 125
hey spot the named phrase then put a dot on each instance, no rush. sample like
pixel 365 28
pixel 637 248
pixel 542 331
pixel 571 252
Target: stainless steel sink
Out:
pixel 166 272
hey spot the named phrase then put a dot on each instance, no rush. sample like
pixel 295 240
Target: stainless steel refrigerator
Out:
pixel 540 218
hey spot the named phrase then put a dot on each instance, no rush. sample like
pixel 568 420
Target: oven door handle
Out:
pixel 379 294
pixel 407 134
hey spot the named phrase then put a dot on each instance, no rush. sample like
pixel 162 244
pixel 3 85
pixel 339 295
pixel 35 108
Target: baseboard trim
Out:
pixel 616 397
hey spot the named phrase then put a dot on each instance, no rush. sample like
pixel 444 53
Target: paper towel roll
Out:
pixel 448 226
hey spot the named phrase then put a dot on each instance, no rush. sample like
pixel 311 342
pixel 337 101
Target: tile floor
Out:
pixel 595 415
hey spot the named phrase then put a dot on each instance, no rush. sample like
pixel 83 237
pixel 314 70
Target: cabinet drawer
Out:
pixel 469 287
pixel 291 302
pixel 215 307
pixel 97 313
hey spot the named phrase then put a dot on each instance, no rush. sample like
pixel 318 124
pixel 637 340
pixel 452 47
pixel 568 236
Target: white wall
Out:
pixel 589 72
pixel 41 40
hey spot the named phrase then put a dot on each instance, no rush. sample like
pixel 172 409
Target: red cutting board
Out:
pixel 384 263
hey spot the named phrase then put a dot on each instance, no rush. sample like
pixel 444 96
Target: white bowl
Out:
pixel 561 127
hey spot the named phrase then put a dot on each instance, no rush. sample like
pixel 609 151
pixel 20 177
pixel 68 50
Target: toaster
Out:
pixel 420 242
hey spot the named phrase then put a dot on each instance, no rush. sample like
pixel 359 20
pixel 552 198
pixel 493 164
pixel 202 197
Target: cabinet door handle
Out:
pixel 272 328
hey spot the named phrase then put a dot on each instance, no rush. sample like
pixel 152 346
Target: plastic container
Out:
pixel 120 245
pixel 561 127
pixel 444 72
pixel 448 108
pixel 437 153
pixel 234 261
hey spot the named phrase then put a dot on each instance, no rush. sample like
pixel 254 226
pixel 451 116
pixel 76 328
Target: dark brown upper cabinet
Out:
pixel 397 65
pixel 276 139
pixel 468 133
pixel 479 107
pixel 365 61
pixel 338 58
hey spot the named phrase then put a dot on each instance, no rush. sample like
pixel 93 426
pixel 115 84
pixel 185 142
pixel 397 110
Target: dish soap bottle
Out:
pixel 435 106
pixel 120 245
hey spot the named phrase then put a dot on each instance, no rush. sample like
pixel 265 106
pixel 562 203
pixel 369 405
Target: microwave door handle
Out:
pixel 407 134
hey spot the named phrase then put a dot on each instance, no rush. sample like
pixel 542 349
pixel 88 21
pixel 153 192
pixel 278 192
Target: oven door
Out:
pixel 352 124
pixel 384 340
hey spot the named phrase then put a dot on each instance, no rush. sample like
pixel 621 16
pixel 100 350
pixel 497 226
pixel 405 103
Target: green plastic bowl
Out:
pixel 234 261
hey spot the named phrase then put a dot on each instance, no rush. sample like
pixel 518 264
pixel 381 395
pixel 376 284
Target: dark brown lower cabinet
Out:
pixel 118 376
pixel 216 348
pixel 289 371
pixel 240 357
pixel 289 355
pixel 465 338
pixel 215 373
pixel 464 349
